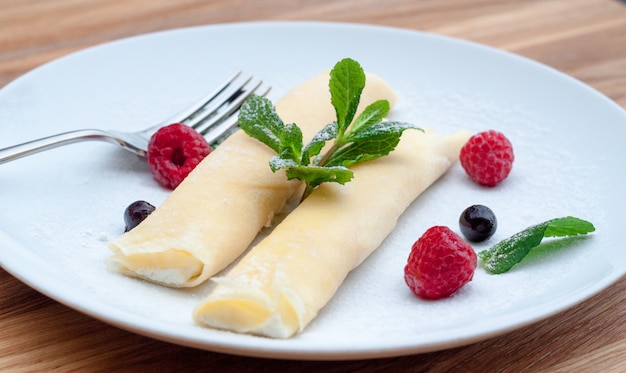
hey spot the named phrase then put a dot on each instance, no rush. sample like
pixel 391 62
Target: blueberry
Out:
pixel 135 213
pixel 478 223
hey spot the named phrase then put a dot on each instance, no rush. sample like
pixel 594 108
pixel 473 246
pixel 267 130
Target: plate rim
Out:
pixel 49 291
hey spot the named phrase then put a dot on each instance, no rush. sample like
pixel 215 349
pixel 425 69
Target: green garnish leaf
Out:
pixel 568 226
pixel 372 114
pixel 347 80
pixel 502 256
pixel 314 175
pixel 357 140
pixel 317 143
pixel 291 142
pixel 258 118
pixel 277 162
pixel 371 142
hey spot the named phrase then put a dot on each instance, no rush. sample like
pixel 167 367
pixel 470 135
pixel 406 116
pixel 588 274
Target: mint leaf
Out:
pixel 568 226
pixel 354 140
pixel 314 147
pixel 502 256
pixel 277 162
pixel 372 142
pixel 347 80
pixel 315 175
pixel 365 150
pixel 382 129
pixel 258 118
pixel 291 142
pixel 372 114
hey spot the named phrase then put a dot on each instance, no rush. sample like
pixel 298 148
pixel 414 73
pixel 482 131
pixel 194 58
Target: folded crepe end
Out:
pixel 173 268
pixel 250 315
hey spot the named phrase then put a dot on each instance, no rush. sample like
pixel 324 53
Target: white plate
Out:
pixel 59 208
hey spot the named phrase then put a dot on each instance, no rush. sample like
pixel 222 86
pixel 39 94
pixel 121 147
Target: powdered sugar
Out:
pixel 57 209
pixel 545 183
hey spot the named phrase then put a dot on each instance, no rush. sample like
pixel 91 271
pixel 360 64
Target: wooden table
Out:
pixel 583 38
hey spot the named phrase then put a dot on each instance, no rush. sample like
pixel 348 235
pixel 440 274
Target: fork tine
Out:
pixel 220 126
pixel 201 103
pixel 212 117
pixel 204 115
pixel 223 126
pixel 217 133
pixel 219 111
pixel 213 108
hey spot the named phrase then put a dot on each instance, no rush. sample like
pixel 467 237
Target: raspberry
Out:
pixel 439 264
pixel 487 157
pixel 174 151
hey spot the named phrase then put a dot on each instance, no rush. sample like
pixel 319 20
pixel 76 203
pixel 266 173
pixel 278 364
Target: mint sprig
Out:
pixel 502 256
pixel 365 138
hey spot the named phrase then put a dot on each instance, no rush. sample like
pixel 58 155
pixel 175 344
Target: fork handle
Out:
pixel 22 150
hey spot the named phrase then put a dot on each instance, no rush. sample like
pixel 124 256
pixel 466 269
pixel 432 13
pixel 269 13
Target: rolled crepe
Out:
pixel 282 283
pixel 216 212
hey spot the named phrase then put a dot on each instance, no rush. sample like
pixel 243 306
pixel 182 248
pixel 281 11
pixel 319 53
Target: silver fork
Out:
pixel 212 116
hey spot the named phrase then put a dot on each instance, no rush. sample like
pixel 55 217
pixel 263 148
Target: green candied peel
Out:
pixel 355 140
pixel 502 256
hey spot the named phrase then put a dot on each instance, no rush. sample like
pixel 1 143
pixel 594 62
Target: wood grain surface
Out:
pixel 583 38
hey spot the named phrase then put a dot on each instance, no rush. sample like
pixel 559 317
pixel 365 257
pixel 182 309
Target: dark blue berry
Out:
pixel 478 223
pixel 136 212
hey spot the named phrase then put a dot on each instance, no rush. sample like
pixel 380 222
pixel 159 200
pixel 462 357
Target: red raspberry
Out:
pixel 439 264
pixel 174 151
pixel 487 157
